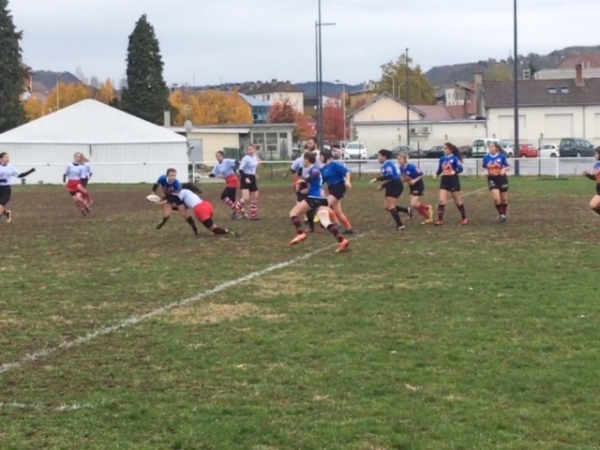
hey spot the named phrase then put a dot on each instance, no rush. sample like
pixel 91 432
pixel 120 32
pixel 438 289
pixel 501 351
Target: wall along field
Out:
pixel 484 336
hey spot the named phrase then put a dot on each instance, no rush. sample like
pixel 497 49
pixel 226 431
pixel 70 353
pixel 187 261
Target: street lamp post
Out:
pixel 516 87
pixel 58 75
pixel 318 31
pixel 393 78
pixel 407 105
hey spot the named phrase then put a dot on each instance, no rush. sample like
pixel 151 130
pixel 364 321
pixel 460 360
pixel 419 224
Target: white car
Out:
pixel 549 151
pixel 356 150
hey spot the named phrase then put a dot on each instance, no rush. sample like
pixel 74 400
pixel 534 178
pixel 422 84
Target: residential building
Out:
pixel 276 92
pixel 384 121
pixel 260 109
pixel 567 69
pixel 549 110
pixel 366 94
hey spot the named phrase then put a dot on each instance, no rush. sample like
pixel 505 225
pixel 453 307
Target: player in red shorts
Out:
pixel 203 210
pixel 72 177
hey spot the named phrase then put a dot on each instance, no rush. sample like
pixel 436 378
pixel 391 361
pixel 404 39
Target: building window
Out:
pixel 268 98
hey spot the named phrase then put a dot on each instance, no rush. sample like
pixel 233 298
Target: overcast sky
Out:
pixel 215 41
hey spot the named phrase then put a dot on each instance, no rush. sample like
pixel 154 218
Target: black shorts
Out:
pixel 338 191
pixel 417 189
pixel 252 186
pixel 174 200
pixel 597 191
pixel 450 183
pixel 499 182
pixel 229 193
pixel 394 189
pixel 84 182
pixel 300 197
pixel 316 202
pixel 5 192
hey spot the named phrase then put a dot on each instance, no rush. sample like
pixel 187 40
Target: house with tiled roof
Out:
pixel 548 109
pixel 387 122
pixel 276 92
pixel 590 65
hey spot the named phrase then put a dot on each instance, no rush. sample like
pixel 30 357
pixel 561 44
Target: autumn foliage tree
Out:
pixel 209 108
pixel 333 121
pixel 284 112
pixel 34 108
pixel 420 92
pixel 68 94
pixel 106 92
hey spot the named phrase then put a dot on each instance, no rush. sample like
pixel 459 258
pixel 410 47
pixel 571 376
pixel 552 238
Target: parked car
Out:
pixel 481 147
pixel 436 151
pixel 549 151
pixel 356 150
pixel 466 151
pixel 528 151
pixel 575 147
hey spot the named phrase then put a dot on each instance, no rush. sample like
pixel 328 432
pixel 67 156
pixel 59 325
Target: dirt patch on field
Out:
pixel 211 313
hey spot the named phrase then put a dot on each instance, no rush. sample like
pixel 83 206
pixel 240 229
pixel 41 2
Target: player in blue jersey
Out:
pixel 7 172
pixel 170 187
pixel 312 186
pixel 392 183
pixel 297 168
pixel 495 165
pixel 595 201
pixel 337 178
pixel 449 167
pixel 414 177
pixel 226 168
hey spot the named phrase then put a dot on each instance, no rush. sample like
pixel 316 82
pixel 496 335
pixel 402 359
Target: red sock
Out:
pixel 229 203
pixel 423 210
pixel 239 205
pixel 345 222
pixel 254 208
pixel 333 216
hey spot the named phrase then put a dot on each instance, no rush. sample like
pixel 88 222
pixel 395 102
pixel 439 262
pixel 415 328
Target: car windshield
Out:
pixel 352 147
pixel 478 143
pixel 567 143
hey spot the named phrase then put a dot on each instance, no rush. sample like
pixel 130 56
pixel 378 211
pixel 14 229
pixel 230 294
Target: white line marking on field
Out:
pixel 136 319
pixel 60 408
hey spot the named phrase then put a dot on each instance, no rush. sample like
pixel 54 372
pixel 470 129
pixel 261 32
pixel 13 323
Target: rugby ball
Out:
pixel 153 198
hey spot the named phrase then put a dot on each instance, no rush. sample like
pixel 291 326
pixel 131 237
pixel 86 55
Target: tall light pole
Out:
pixel 516 86
pixel 393 78
pixel 407 104
pixel 58 75
pixel 343 105
pixel 319 26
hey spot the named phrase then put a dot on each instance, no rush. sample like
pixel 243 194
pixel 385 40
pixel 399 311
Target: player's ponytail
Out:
pixel 455 151
pixel 191 187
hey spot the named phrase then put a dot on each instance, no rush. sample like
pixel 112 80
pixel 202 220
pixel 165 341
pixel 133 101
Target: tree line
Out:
pixel 145 94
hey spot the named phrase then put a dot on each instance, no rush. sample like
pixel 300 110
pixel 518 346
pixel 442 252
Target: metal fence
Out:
pixel 148 172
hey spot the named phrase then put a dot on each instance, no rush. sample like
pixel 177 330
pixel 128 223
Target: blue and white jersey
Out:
pixel 168 188
pixel 6 173
pixel 249 165
pixel 314 179
pixel 297 165
pixel 74 171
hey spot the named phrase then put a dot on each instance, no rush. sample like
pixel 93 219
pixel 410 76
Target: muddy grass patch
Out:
pixel 213 313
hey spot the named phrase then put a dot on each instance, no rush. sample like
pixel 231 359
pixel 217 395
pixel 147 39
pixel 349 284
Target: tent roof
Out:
pixel 90 122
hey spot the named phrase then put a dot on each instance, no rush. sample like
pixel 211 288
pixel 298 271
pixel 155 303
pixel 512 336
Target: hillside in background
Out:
pixel 438 76
pixel 47 79
pixel 443 75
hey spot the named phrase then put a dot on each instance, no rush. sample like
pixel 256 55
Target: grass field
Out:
pixel 477 337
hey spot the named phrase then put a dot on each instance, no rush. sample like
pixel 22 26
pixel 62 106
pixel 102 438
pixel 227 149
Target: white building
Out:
pixel 385 121
pixel 549 110
pixel 567 70
pixel 121 148
pixel 278 92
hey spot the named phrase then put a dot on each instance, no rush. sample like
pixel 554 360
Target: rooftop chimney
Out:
pixel 478 94
pixel 579 75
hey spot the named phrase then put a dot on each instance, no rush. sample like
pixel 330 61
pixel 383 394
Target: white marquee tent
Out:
pixel 121 148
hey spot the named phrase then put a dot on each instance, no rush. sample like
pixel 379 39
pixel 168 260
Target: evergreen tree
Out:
pixel 145 94
pixel 12 72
